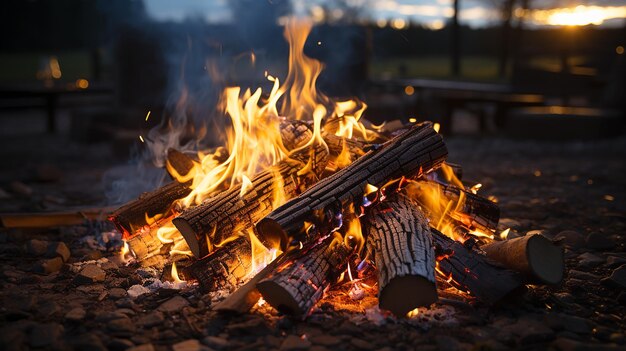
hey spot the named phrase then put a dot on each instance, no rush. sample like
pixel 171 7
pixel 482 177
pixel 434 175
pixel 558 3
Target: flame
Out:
pixel 261 255
pixel 413 313
pixel 174 274
pixel 505 234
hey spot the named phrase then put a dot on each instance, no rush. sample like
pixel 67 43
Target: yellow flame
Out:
pixel 436 127
pixel 413 313
pixel 505 234
pixel 474 189
pixel 175 274
pixel 245 185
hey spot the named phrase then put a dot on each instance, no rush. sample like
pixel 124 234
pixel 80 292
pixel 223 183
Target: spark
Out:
pixel 141 138
pixel 148 115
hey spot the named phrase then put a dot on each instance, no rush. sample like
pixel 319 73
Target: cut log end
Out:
pixel 279 298
pixel 399 298
pixel 274 234
pixel 189 234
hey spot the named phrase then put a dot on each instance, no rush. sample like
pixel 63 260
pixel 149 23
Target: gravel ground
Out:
pixel 572 192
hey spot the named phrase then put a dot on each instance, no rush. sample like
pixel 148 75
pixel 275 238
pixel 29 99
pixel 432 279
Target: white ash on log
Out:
pixel 226 267
pixel 230 211
pixel 418 150
pixel 399 240
pixel 534 255
pixel 472 272
pixel 298 284
pixel 471 210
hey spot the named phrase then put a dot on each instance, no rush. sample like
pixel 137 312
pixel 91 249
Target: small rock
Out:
pixel 293 342
pixel 120 344
pixel 174 304
pixel 618 277
pixel 151 319
pixel 621 298
pixel 583 275
pixel 614 261
pixel 569 323
pixel 598 241
pixel 189 345
pixel 589 260
pixel 21 188
pixel 571 239
pixel 117 293
pixel 109 316
pixel 109 265
pixel 90 274
pixel 530 331
pixel 326 340
pixel 87 342
pixel 49 266
pixel 361 344
pixel 36 247
pixel 216 342
pixel 59 249
pixel 45 334
pixel 121 326
pixel 144 347
pixel 445 342
pixel 76 314
pixel 48 308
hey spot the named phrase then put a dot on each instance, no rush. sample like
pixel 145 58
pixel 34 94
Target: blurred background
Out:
pixel 88 88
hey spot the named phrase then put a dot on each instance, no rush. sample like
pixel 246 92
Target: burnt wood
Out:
pixel 178 164
pixel 399 240
pixel 472 272
pixel 298 284
pixel 418 150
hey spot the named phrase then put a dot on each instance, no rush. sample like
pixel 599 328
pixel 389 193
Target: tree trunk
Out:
pixel 418 150
pixel 399 240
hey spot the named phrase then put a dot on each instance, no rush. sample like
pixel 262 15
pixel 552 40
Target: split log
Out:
pixel 418 150
pixel 231 212
pixel 534 255
pixel 226 267
pixel 297 285
pixel 399 240
pixel 178 164
pixel 471 210
pixel 472 272
pixel 148 249
pixel 53 219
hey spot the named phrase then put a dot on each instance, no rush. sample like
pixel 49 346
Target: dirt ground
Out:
pixel 573 192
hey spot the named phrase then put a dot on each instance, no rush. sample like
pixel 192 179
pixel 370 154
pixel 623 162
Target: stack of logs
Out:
pixel 382 188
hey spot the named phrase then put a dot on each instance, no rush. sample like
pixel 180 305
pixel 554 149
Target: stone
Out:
pixel 59 249
pixel 121 326
pixel 36 247
pixel 216 342
pixel 361 344
pixel 599 241
pixel 614 261
pixel 45 335
pixel 20 188
pixel 109 316
pixel 325 339
pixel 90 274
pixel 117 293
pixel 618 277
pixel 49 266
pixel 48 308
pixel 151 319
pixel 530 331
pixel 621 298
pixel 567 344
pixel 569 323
pixel 445 342
pixel 571 239
pixel 174 304
pixel 76 314
pixel 120 344
pixel 583 275
pixel 589 260
pixel 294 342
pixel 189 345
pixel 87 342
pixel 144 347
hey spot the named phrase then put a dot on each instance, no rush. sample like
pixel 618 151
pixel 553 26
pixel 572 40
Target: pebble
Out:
pixel 326 340
pixel 59 249
pixel 599 241
pixel 151 319
pixel 618 277
pixel 117 293
pixel 589 260
pixel 571 239
pixel 530 331
pixel 120 344
pixel 43 335
pixel 361 344
pixel 583 275
pixel 189 345
pixel 294 342
pixel 121 327
pixel 445 342
pixel 87 342
pixel 614 261
pixel 569 323
pixel 144 347
pixel 174 304
pixel 566 344
pixel 48 266
pixel 36 247
pixel 76 314
pixel 90 274
pixel 216 342
pixel 21 189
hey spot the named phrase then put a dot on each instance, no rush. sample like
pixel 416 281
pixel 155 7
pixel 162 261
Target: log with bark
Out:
pixel 534 255
pixel 467 208
pixel 472 272
pixel 298 284
pixel 226 267
pixel 410 154
pixel 399 240
pixel 149 250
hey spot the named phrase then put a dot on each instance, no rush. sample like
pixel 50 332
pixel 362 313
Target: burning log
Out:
pixel 149 250
pixel 534 255
pixel 419 149
pixel 472 272
pixel 52 219
pixel 178 164
pixel 399 238
pixel 297 285
pixel 473 211
pixel 226 266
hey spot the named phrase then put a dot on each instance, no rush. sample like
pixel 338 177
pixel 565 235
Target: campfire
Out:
pixel 306 196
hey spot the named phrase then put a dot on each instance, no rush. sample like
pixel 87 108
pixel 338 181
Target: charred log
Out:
pixel 399 240
pixel 297 285
pixel 418 150
pixel 178 164
pixel 533 255
pixel 472 272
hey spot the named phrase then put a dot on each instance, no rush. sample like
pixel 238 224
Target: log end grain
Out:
pixel 189 234
pixel 273 233
pixel 546 259
pixel 279 297
pixel 403 294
